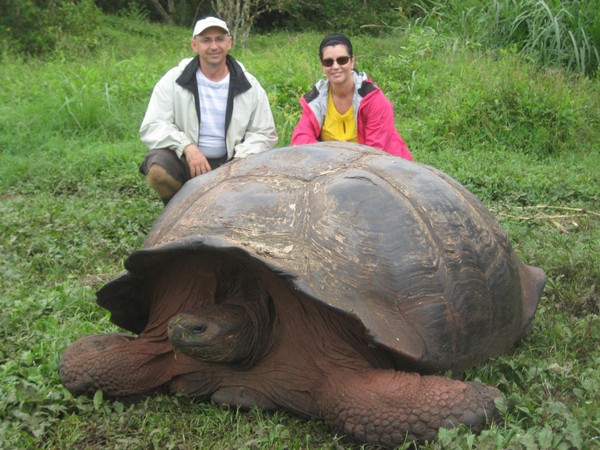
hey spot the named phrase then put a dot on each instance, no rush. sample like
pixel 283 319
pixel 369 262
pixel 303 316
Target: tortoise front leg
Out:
pixel 118 364
pixel 386 407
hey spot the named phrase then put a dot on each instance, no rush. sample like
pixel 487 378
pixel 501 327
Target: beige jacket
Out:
pixel 171 120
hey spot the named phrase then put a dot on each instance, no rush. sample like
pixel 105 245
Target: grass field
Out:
pixel 525 141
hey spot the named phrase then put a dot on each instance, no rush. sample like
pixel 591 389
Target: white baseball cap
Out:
pixel 208 22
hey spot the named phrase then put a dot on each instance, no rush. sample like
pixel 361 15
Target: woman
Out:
pixel 347 105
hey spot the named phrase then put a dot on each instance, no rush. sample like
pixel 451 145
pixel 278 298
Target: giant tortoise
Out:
pixel 331 280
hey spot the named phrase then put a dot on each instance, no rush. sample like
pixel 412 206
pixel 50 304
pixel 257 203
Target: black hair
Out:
pixel 335 39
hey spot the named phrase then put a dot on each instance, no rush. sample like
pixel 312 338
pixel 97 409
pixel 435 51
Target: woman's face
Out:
pixel 340 70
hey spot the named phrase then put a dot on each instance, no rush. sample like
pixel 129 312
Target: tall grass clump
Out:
pixel 561 33
pixel 553 32
pixel 95 91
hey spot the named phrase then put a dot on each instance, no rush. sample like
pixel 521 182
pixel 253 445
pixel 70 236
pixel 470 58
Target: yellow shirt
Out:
pixel 336 126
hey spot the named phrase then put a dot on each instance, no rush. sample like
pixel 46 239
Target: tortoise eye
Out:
pixel 199 329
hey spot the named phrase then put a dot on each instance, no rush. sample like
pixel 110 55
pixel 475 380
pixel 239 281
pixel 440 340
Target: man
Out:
pixel 203 113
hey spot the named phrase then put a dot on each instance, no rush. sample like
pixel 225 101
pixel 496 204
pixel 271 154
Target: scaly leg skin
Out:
pixel 118 364
pixel 388 408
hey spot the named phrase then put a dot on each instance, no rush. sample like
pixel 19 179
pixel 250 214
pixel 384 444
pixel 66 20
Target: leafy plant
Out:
pixel 37 26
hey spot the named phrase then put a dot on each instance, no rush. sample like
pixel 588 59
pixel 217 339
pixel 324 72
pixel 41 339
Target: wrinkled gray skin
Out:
pixel 332 281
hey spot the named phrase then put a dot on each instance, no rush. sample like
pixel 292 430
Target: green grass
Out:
pixel 551 33
pixel 524 140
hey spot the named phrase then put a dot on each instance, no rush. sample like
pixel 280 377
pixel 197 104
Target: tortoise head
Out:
pixel 220 333
pixel 235 329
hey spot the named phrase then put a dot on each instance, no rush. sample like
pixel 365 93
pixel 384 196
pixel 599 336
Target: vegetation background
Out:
pixel 503 95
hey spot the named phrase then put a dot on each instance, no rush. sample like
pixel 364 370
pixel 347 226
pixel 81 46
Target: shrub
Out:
pixel 36 26
pixel 332 16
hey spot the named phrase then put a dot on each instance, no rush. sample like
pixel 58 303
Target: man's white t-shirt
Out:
pixel 213 103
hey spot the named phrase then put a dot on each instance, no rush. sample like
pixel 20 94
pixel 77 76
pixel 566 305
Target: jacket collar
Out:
pixel 363 85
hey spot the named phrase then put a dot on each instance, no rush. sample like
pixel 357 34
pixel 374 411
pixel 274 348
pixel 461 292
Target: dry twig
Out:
pixel 557 220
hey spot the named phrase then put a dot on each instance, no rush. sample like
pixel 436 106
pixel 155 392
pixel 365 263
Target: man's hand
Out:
pixel 196 160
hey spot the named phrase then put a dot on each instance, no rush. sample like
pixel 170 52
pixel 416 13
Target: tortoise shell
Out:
pixel 398 245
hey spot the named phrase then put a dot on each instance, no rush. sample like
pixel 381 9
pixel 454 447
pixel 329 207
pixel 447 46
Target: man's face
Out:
pixel 212 45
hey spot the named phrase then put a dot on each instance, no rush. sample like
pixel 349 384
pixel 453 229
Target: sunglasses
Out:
pixel 341 60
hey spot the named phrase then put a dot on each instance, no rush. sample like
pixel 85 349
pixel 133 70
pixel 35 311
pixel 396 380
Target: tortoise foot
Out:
pixel 84 362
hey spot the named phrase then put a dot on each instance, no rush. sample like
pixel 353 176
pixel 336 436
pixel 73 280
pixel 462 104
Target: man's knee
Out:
pixel 163 183
pixel 157 175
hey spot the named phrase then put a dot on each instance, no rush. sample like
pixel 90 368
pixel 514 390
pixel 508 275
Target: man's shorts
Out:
pixel 177 167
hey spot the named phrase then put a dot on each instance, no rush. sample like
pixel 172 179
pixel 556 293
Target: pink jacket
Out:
pixel 374 115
